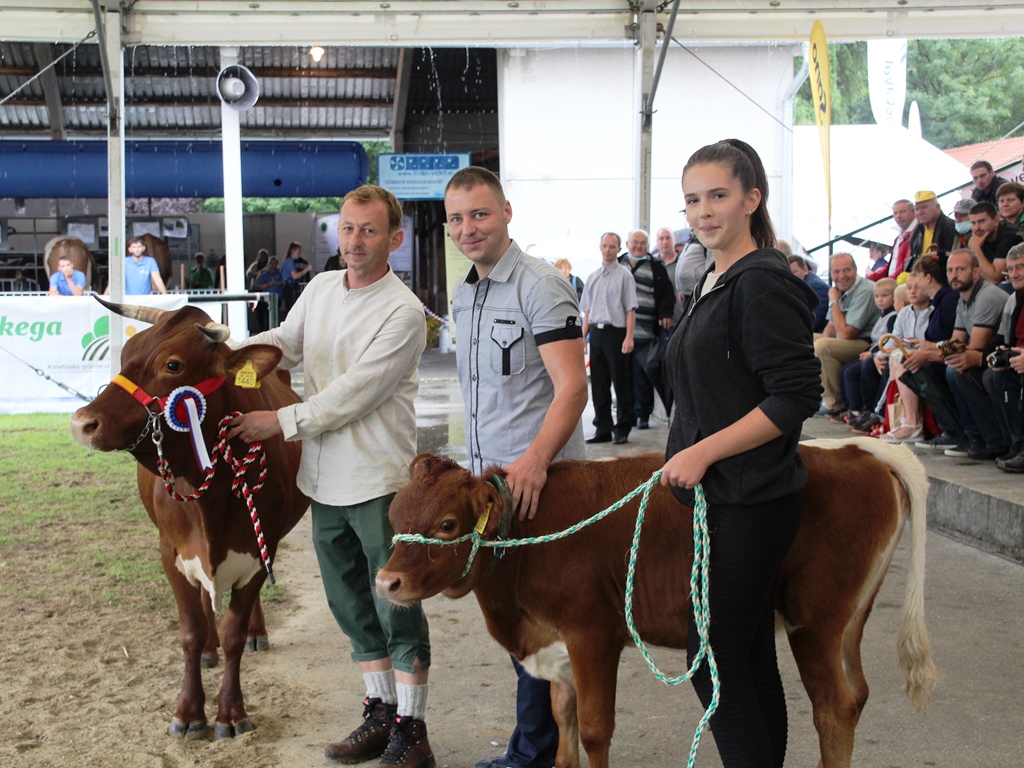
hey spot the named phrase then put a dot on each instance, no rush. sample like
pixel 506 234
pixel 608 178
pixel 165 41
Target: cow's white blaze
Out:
pixel 551 663
pixel 236 571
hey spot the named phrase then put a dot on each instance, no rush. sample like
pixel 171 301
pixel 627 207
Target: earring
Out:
pixel 749 213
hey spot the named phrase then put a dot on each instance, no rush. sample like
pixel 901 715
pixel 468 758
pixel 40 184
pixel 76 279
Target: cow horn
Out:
pixel 145 314
pixel 215 331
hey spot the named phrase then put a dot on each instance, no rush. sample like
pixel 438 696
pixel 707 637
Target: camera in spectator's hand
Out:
pixel 950 347
pixel 1001 357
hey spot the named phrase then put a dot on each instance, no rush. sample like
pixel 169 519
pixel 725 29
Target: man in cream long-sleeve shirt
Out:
pixel 360 333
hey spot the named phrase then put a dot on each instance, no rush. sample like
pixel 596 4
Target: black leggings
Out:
pixel 747 547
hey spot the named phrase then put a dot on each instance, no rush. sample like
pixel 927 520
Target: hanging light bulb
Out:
pixel 316 53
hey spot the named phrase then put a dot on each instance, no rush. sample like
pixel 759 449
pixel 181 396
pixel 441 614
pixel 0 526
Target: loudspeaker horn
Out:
pixel 237 87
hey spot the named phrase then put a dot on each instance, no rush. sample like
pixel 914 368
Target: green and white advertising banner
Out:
pixel 65 338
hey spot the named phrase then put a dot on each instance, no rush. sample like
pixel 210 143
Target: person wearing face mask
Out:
pixel 962 222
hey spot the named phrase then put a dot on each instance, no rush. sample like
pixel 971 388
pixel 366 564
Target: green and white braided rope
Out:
pixel 699 576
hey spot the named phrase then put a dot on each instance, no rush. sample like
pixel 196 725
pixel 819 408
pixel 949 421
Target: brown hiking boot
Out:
pixel 370 739
pixel 408 747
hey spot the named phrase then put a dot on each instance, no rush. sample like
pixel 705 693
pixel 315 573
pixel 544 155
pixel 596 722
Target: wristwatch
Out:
pixel 833 301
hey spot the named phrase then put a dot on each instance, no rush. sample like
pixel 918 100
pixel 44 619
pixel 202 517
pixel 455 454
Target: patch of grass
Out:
pixel 73 518
pixel 72 526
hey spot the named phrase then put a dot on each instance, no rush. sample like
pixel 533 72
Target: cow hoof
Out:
pixel 222 731
pixel 193 731
pixel 244 726
pixel 259 643
pixel 209 660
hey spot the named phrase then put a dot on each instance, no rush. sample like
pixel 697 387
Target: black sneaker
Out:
pixel 408 747
pixel 1014 465
pixel 938 443
pixel 963 449
pixel 982 453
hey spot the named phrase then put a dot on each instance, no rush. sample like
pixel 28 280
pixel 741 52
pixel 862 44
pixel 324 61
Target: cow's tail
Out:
pixel 912 644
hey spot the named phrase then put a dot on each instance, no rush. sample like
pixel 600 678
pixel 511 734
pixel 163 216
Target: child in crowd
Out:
pixel 860 378
pixel 911 323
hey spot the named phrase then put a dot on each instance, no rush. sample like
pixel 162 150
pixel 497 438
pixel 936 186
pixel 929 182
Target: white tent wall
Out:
pixel 872 167
pixel 695 106
pixel 568 132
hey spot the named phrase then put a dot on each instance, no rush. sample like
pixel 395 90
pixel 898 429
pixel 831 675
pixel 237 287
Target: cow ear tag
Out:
pixel 481 524
pixel 246 377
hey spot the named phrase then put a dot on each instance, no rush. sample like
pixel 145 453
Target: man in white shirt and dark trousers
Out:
pixel 609 316
pixel 360 333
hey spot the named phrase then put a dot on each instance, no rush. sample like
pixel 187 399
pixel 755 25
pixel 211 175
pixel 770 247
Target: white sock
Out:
pixel 412 701
pixel 381 685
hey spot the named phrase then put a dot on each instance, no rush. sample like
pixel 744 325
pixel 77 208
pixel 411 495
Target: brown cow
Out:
pixel 79 254
pixel 161 252
pixel 207 546
pixel 541 601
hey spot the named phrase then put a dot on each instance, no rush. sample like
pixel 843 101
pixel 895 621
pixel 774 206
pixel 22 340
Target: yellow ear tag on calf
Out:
pixel 481 524
pixel 246 377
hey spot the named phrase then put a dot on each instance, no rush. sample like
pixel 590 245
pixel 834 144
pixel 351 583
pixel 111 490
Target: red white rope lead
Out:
pixel 239 487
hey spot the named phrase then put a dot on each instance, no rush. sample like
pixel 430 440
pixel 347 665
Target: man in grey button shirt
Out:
pixel 977 317
pixel 519 349
pixel 851 315
pixel 609 316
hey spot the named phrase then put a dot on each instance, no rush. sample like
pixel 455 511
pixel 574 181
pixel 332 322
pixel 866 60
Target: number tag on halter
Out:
pixel 481 524
pixel 246 377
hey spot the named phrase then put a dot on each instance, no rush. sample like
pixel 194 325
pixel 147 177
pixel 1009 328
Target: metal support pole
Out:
pixel 108 29
pixel 647 37
pixel 233 231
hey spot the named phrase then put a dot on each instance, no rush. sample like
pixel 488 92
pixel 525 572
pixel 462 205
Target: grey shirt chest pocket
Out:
pixel 508 352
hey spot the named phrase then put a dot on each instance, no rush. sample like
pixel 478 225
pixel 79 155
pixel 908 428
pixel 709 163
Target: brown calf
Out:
pixel 542 601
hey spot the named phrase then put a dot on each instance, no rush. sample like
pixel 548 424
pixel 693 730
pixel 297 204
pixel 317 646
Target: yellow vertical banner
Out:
pixel 821 85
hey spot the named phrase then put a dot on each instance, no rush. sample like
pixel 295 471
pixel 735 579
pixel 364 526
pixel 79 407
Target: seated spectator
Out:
pixel 911 324
pixel 934 232
pixel 903 215
pixel 1003 381
pixel 67 281
pixel 991 238
pixel 1011 203
pixel 879 266
pixel 962 222
pixel 851 316
pixel 978 315
pixel 859 379
pixel 986 183
pixel 200 277
pixel 798 266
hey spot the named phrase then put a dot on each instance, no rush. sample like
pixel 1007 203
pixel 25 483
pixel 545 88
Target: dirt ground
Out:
pixel 83 686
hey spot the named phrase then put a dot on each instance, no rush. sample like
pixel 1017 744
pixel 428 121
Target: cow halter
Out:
pixel 184 409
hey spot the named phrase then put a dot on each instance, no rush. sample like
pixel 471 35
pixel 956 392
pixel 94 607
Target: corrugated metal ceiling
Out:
pixel 170 90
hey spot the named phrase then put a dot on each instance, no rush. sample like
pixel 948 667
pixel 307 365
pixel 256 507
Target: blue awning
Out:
pixel 33 169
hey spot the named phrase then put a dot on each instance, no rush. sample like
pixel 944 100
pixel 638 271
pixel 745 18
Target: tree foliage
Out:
pixel 967 90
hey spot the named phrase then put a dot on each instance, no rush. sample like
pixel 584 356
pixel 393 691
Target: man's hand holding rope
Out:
pixel 253 426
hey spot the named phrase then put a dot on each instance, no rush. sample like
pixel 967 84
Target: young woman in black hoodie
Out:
pixel 745 378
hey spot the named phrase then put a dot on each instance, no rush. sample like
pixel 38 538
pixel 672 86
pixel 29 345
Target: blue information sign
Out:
pixel 419 175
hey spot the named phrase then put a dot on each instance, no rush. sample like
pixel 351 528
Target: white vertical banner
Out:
pixel 887 80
